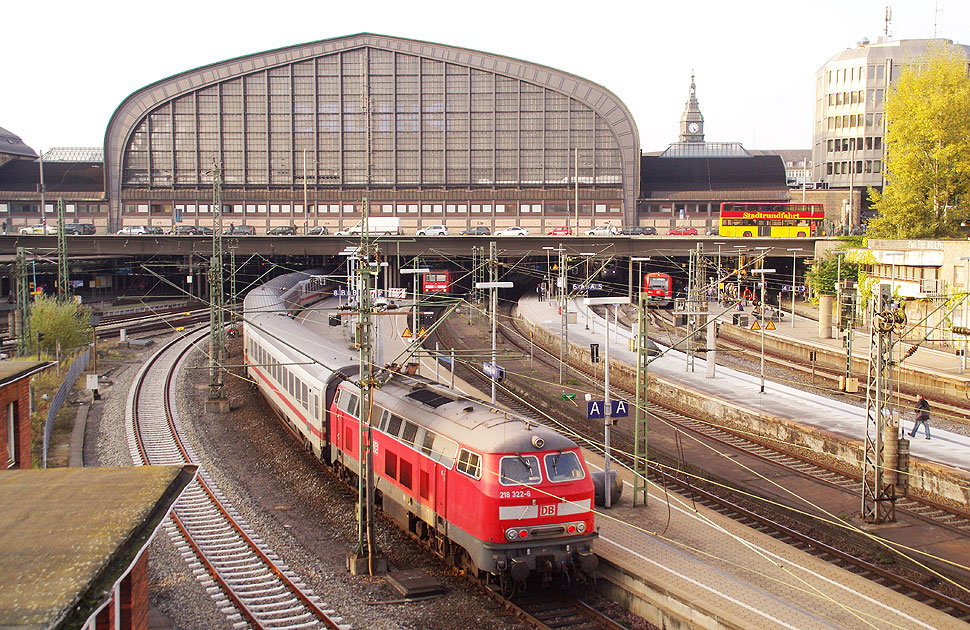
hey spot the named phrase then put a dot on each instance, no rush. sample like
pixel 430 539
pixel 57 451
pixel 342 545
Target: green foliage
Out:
pixel 67 323
pixel 927 188
pixel 825 273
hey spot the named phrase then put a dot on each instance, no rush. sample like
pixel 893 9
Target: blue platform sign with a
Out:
pixel 596 408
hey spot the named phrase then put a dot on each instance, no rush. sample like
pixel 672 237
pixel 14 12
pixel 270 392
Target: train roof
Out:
pixel 465 420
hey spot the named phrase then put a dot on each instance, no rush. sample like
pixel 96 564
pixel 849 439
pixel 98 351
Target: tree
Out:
pixel 67 323
pixel 927 151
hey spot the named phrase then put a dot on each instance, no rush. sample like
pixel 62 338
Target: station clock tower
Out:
pixel 692 121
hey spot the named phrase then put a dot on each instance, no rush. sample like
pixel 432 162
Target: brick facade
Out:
pixel 18 393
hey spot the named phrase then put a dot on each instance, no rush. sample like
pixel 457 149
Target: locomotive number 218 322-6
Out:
pixel 515 494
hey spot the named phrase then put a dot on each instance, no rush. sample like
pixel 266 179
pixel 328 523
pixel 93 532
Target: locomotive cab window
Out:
pixel 519 469
pixel 563 467
pixel 348 402
pixel 394 426
pixel 470 463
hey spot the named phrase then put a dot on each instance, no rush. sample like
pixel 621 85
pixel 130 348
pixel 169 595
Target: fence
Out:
pixel 80 364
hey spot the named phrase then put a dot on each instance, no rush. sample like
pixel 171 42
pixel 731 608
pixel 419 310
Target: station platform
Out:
pixel 743 389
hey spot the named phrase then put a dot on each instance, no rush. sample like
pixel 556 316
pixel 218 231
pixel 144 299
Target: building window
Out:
pixel 11 435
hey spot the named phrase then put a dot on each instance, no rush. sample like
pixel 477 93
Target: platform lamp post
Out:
pixel 607 409
pixel 763 313
pixel 493 286
pixel 640 260
pixel 548 250
pixel 741 249
pixel 793 251
pixel 415 271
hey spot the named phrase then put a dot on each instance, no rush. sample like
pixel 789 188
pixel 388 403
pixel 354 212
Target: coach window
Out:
pixel 410 432
pixel 394 426
pixel 519 469
pixel 563 467
pixel 470 463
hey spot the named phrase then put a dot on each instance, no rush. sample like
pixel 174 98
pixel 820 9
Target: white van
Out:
pixel 376 226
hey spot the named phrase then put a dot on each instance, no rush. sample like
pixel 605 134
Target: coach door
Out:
pixel 440 493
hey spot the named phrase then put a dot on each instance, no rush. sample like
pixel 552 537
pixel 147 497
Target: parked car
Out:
pixel 282 230
pixel 85 229
pixel 205 231
pixel 320 230
pixel 683 231
pixel 639 230
pixel 40 228
pixel 433 230
pixel 134 230
pixel 561 230
pixel 513 231
pixel 238 230
pixel 603 230
pixel 714 231
pixel 185 230
pixel 477 230
pixel 154 229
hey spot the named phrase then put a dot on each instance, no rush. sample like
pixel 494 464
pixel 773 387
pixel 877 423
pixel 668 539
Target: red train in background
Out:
pixel 437 281
pixel 659 288
pixel 492 492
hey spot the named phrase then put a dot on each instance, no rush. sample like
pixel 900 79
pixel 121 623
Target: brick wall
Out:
pixel 17 392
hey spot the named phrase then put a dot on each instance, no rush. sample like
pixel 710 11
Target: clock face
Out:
pixel 693 127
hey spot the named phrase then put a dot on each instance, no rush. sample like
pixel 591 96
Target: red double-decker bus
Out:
pixel 785 220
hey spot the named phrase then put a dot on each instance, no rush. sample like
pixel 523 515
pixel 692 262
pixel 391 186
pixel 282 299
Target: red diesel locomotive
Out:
pixel 659 288
pixel 490 491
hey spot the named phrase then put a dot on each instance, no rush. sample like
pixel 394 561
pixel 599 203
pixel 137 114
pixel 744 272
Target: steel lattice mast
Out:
pixel 63 275
pixel 878 496
pixel 217 333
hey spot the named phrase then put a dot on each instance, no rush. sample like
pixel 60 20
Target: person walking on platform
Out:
pixel 922 416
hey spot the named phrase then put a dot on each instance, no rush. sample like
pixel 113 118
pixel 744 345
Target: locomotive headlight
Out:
pixel 581 526
pixel 511 534
pixel 571 529
pixel 523 533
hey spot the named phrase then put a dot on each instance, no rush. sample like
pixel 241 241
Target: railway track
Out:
pixel 940 515
pixel 251 585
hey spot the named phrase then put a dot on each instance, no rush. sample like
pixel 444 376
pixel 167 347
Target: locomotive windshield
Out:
pixel 657 283
pixel 563 467
pixel 519 469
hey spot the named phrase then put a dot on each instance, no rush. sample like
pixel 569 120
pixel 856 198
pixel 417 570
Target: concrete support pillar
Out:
pixel 890 450
pixel 825 316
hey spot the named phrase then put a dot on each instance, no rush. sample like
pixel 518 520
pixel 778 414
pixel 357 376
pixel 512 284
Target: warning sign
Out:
pixel 770 326
pixel 406 334
pixel 755 325
pixel 422 332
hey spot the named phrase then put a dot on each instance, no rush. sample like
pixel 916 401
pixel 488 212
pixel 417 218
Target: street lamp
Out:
pixel 640 260
pixel 763 312
pixel 793 250
pixel 493 286
pixel 741 249
pixel 607 479
pixel 548 271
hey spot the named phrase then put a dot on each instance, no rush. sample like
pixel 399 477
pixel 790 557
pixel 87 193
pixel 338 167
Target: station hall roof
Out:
pixel 59 177
pixel 660 175
pixel 68 534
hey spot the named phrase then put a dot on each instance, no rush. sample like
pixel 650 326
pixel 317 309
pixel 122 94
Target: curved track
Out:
pixel 249 582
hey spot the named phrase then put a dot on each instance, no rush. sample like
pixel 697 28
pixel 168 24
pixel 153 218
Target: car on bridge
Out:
pixel 683 231
pixel 40 228
pixel 319 230
pixel 560 230
pixel 85 229
pixel 239 230
pixel 477 230
pixel 134 230
pixel 433 230
pixel 639 230
pixel 605 229
pixel 514 230
pixel 282 230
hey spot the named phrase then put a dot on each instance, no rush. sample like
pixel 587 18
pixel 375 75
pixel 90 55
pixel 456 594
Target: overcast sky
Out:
pixel 68 65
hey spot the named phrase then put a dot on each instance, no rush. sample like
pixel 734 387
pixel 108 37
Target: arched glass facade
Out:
pixel 432 123
pixel 379 114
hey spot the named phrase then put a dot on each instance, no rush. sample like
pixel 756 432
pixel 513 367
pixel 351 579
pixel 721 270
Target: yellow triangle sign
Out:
pixel 770 326
pixel 422 332
pixel 406 334
pixel 755 325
